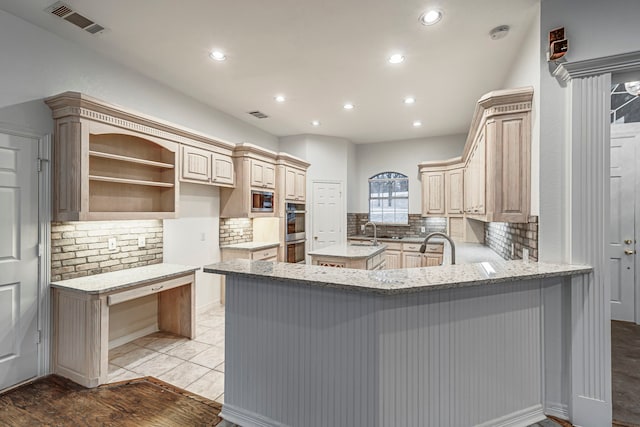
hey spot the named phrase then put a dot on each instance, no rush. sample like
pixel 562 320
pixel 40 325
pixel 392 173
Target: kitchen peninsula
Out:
pixel 448 345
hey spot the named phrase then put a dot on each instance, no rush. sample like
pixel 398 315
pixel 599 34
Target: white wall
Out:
pixel 526 72
pixel 401 156
pixel 36 64
pixel 331 159
pixel 595 29
pixel 193 239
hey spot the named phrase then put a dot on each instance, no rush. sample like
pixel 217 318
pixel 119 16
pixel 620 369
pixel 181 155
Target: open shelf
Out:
pixel 129 159
pixel 130 181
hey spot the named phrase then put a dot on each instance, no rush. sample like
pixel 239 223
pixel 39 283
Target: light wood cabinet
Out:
pixel 475 178
pixel 295 184
pixel 207 167
pixel 254 169
pixel 454 191
pixel 110 163
pixel 393 259
pixel 493 176
pixel 263 174
pixel 433 197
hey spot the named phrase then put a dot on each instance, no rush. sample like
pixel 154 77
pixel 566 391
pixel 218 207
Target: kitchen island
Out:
pixel 456 345
pixel 363 257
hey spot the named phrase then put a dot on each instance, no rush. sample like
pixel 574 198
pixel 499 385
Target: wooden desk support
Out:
pixel 81 324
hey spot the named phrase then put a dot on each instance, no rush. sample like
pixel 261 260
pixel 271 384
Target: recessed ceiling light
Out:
pixel 396 58
pixel 431 17
pixel 409 100
pixel 315 123
pixel 348 106
pixel 417 123
pixel 217 55
pixel 279 98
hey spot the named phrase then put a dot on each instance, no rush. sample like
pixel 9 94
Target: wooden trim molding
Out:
pixel 77 104
pixel 629 61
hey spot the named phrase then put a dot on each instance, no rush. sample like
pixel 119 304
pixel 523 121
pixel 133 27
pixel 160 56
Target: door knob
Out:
pixel 629 252
pixel 628 241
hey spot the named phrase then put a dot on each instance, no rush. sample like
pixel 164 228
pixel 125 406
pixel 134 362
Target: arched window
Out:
pixel 389 198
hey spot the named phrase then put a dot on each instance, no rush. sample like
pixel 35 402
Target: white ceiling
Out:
pixel 319 54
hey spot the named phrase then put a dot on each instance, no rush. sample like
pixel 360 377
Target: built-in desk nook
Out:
pixel 81 314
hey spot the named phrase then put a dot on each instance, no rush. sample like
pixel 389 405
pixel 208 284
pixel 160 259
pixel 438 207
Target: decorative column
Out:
pixel 590 102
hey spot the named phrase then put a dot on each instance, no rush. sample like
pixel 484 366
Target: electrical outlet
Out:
pixel 142 241
pixel 362 228
pixel 112 244
pixel 423 229
pixel 513 250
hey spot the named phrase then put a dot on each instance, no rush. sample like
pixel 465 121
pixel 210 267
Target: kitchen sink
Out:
pixel 361 244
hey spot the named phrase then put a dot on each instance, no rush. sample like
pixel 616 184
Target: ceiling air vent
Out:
pixel 65 12
pixel 258 114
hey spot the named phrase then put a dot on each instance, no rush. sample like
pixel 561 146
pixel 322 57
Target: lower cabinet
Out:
pixel 393 259
pixel 411 260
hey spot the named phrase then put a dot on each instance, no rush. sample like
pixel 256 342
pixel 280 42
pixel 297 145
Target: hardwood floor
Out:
pixel 625 373
pixel 56 401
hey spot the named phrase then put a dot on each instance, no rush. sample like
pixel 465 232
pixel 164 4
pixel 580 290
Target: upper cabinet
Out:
pixel 293 178
pixel 206 167
pixel 110 163
pixel 441 187
pixel 263 174
pixel 492 179
pixel 255 169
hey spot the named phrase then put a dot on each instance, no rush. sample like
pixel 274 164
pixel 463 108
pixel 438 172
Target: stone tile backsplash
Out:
pixel 416 222
pixel 81 248
pixel 235 230
pixel 499 236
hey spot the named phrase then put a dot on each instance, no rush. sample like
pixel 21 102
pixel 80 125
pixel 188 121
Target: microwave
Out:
pixel 262 201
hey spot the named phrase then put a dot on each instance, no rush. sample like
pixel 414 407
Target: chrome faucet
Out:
pixel 375 233
pixel 437 233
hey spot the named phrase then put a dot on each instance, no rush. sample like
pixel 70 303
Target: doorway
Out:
pixel 623 261
pixel 24 228
pixel 327 214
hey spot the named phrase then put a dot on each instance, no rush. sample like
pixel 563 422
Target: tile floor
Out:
pixel 194 365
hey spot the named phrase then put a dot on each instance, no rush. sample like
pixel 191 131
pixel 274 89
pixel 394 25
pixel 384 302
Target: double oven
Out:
pixel 295 235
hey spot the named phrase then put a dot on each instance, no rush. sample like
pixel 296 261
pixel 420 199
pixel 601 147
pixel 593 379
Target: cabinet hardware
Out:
pixel 158 288
pixel 629 252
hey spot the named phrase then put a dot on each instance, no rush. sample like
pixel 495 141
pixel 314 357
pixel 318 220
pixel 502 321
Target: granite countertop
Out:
pixel 108 282
pixel 349 251
pixel 401 280
pixel 252 246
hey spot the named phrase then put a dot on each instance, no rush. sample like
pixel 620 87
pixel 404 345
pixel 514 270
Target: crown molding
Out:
pixel 629 61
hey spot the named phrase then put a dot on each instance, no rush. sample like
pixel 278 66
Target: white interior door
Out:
pixel 18 259
pixel 327 214
pixel 622 245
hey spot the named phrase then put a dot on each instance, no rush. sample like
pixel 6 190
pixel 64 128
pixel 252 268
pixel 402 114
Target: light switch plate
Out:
pixel 525 254
pixel 112 244
pixel 423 229
pixel 142 241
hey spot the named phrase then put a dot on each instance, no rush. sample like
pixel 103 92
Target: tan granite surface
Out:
pixel 349 251
pixel 400 280
pixel 107 282
pixel 252 246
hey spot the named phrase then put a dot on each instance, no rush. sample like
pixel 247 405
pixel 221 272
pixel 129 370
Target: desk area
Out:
pixel 81 314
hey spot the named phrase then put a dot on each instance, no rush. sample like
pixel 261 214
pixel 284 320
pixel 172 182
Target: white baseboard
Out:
pixel 522 418
pixel 245 418
pixel 557 410
pixel 133 336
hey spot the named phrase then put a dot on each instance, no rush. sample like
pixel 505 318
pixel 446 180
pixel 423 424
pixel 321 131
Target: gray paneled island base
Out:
pixel 477 344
